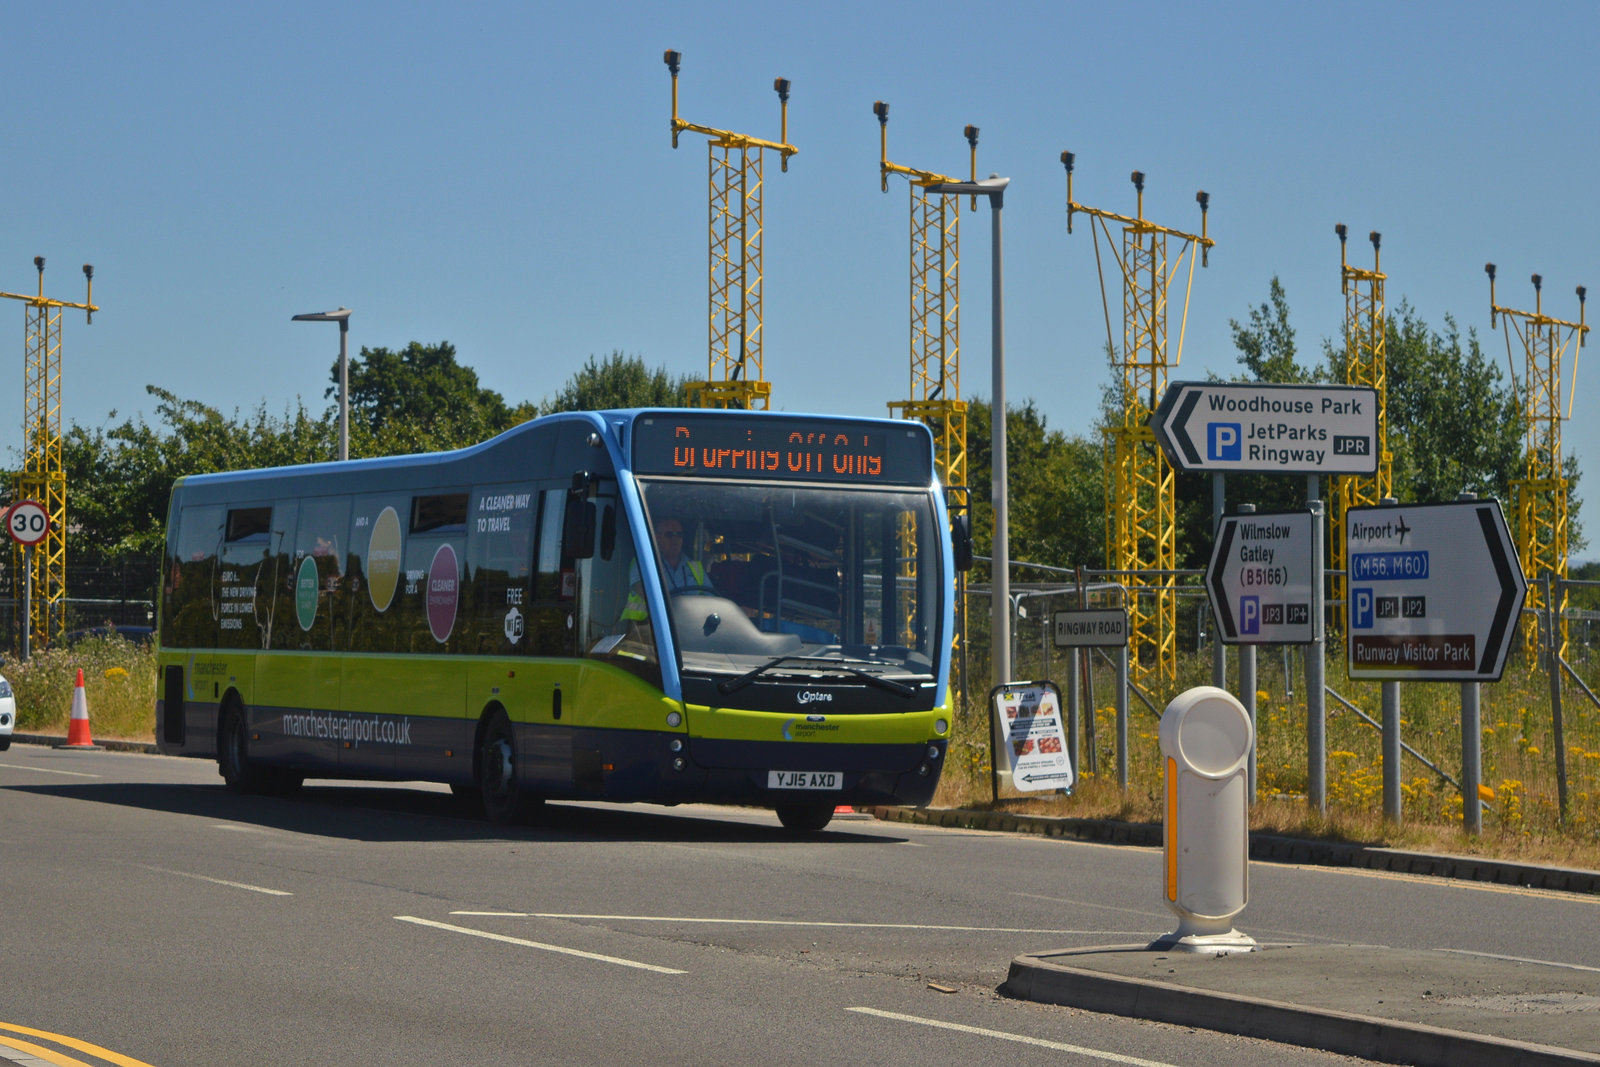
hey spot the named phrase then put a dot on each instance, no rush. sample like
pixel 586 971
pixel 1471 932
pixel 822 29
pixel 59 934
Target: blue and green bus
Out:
pixel 501 618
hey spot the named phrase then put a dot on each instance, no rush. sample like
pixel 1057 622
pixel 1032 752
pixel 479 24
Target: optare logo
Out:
pixel 811 696
pixel 1224 441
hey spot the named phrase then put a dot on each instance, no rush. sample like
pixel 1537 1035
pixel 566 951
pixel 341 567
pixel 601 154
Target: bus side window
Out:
pixel 319 543
pixel 189 618
pixel 501 524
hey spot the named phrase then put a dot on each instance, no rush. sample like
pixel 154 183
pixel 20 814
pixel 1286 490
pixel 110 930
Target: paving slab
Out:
pixel 1444 1008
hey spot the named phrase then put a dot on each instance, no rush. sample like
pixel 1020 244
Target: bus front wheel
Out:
pixel 499 788
pixel 805 818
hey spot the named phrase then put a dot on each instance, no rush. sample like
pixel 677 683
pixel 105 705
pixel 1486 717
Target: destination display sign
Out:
pixel 1259 578
pixel 1267 428
pixel 1435 591
pixel 761 447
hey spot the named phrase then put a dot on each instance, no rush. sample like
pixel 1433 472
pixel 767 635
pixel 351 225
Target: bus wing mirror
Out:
pixel 577 533
pixel 961 542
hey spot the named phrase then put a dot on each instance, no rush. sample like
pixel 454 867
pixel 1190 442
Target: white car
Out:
pixel 8 714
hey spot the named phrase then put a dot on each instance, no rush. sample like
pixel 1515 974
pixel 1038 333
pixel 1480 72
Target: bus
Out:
pixel 500 618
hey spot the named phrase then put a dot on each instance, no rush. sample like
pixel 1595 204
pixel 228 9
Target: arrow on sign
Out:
pixel 1512 587
pixel 1219 594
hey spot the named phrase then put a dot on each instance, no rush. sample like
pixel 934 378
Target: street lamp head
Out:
pixel 341 316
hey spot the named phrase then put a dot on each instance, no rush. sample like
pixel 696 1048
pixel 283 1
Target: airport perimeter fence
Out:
pixel 117 595
pixel 1540 724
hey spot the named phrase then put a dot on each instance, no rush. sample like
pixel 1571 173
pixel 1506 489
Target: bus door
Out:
pixel 544 720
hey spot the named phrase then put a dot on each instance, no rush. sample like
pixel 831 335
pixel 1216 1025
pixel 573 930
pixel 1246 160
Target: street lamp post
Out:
pixel 994 187
pixel 342 317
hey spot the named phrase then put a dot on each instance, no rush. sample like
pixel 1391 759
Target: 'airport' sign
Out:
pixel 1259 579
pixel 1434 592
pixel 1266 428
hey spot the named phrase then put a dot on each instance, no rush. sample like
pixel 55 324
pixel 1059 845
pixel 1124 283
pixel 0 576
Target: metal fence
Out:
pixel 1540 725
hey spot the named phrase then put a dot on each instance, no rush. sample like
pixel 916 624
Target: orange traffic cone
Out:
pixel 78 725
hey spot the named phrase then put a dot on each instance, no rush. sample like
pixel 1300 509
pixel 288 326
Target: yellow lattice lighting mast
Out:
pixel 935 306
pixel 1141 502
pixel 936 330
pixel 1365 363
pixel 736 169
pixel 42 477
pixel 1540 496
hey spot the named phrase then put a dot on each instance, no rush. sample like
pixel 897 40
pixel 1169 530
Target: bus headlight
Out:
pixel 678 764
pixel 676 744
pixel 933 752
pixel 940 726
pixel 674 718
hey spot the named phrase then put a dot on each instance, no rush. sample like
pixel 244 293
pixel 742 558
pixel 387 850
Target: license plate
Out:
pixel 805 780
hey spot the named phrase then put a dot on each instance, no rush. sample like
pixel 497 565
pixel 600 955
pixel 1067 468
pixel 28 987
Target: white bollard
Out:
pixel 1206 740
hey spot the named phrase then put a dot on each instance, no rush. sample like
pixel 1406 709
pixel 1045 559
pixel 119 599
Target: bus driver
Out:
pixel 678 572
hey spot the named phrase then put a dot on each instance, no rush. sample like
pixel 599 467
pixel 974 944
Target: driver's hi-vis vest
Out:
pixel 635 610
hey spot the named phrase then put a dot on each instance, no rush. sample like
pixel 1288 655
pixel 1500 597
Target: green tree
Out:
pixel 1056 510
pixel 119 479
pixel 1267 346
pixel 1454 426
pixel 419 399
pixel 618 381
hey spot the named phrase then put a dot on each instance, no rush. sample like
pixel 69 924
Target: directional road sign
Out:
pixel 1092 628
pixel 1259 579
pixel 1434 592
pixel 1267 428
pixel 27 522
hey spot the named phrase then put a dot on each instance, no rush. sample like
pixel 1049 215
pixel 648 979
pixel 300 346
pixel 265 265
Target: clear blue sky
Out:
pixel 499 175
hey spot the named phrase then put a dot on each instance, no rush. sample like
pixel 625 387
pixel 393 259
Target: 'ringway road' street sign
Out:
pixel 1268 428
pixel 1435 591
pixel 1259 578
pixel 1092 628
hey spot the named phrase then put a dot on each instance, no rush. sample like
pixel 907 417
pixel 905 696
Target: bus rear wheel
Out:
pixel 499 788
pixel 233 751
pixel 805 818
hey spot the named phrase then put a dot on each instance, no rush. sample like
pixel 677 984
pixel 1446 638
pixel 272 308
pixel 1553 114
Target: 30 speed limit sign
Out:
pixel 28 522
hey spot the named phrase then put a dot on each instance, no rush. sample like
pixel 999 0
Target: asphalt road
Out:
pixel 148 912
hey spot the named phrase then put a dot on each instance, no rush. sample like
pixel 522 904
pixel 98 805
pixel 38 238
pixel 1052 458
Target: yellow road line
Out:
pixel 62 1039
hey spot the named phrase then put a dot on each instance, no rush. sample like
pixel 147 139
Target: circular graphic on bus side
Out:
pixel 305 593
pixel 383 560
pixel 443 591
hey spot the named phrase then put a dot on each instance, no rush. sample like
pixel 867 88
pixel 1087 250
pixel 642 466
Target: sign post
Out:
pixel 1266 428
pixel 1435 592
pixel 1260 578
pixel 28 523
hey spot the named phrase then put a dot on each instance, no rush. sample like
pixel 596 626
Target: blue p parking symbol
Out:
pixel 1249 615
pixel 1223 441
pixel 1361 609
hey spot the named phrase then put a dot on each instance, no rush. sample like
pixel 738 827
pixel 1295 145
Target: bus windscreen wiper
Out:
pixel 732 685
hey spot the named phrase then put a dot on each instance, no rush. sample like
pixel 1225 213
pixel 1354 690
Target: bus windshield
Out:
pixel 758 572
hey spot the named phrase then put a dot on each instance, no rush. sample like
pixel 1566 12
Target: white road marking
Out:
pixel 618 960
pixel 48 770
pixel 219 881
pixel 1059 1046
pixel 1520 959
pixel 777 922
